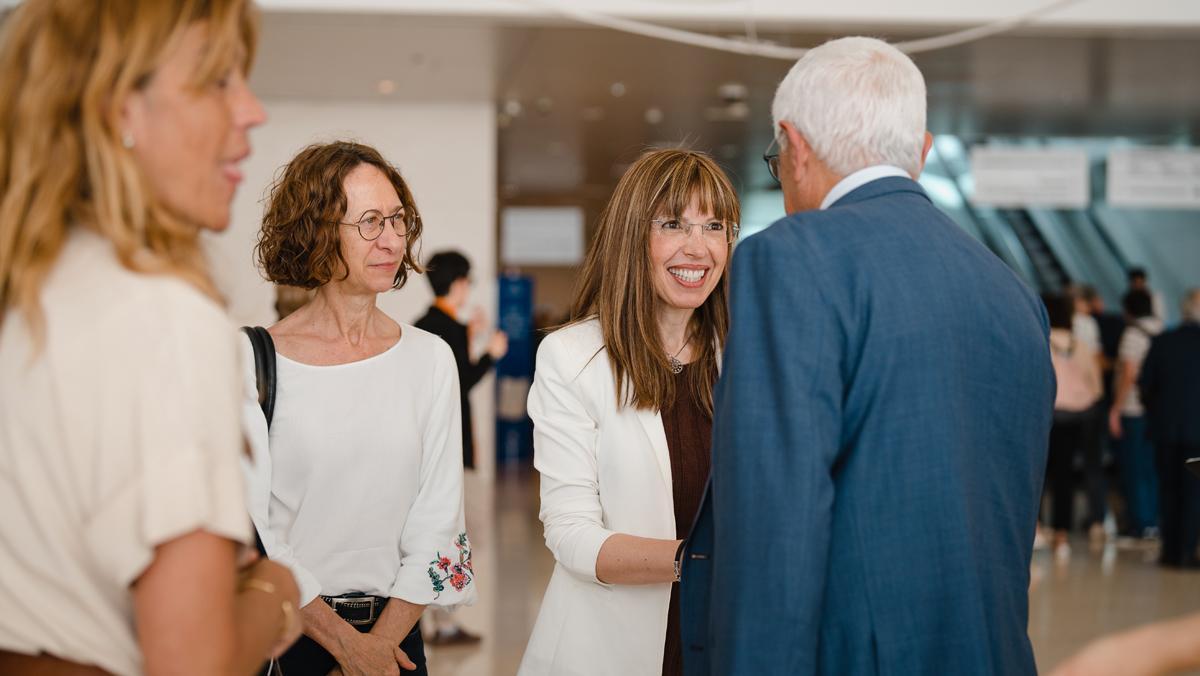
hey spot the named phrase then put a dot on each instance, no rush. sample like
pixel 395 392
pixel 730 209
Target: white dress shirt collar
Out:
pixel 858 179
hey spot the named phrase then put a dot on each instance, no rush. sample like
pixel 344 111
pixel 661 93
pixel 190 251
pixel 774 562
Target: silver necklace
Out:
pixel 675 364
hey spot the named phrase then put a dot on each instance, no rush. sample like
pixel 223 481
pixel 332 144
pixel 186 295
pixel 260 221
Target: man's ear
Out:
pixel 925 153
pixel 799 152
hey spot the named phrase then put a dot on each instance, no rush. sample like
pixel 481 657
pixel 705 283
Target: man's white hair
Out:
pixel 858 102
pixel 1191 306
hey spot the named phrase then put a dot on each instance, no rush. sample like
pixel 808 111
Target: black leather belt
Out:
pixel 357 609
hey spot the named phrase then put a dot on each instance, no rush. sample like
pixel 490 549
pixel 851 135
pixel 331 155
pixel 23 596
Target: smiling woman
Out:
pixel 622 411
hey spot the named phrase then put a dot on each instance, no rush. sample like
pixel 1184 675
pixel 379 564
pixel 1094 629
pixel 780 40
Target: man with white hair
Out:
pixel 882 417
pixel 1170 387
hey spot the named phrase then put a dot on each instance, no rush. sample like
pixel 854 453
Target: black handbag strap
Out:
pixel 264 375
pixel 264 368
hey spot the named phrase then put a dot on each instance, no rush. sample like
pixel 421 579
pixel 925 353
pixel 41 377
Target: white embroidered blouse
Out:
pixel 362 489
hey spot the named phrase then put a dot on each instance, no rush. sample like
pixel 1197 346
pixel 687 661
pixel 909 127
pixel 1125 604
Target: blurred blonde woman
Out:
pixel 122 125
pixel 622 411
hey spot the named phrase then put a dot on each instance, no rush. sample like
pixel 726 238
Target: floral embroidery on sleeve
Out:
pixel 457 574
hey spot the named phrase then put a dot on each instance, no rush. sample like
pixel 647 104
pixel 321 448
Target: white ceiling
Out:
pixel 774 14
pixel 571 132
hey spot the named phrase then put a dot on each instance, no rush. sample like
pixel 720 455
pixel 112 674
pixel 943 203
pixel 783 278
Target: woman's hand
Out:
pixel 1114 423
pixel 497 345
pixel 369 655
pixel 476 324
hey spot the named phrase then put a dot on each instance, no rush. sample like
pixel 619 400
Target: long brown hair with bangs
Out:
pixel 616 284
pixel 66 67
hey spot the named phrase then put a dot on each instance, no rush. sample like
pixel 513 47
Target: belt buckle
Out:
pixel 352 603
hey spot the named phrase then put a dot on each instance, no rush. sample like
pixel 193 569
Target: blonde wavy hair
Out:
pixel 66 67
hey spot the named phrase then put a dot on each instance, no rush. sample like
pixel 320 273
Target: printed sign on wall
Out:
pixel 1154 178
pixel 1030 177
pixel 541 236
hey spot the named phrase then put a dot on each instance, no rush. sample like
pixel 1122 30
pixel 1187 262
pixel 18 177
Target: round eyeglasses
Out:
pixel 714 230
pixel 371 224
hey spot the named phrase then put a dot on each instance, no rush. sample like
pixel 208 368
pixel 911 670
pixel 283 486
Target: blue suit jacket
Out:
pixel 879 445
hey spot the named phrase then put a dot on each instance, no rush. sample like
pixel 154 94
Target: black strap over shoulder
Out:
pixel 264 368
pixel 264 374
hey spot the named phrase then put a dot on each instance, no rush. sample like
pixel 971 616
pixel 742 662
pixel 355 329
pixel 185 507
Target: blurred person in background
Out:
pixel 358 480
pixel 1138 281
pixel 1092 443
pixel 622 410
pixel 1077 372
pixel 1170 393
pixel 1126 417
pixel 449 275
pixel 1083 325
pixel 1111 326
pixel 122 128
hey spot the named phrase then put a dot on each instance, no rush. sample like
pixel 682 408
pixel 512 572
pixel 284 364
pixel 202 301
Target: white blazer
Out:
pixel 604 469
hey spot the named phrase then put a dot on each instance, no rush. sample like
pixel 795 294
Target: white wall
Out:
pixel 446 152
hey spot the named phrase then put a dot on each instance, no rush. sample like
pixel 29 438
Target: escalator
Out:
pixel 1051 248
pixel 1049 272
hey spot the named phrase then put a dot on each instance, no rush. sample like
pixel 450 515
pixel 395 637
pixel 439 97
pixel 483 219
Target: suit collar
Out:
pixel 879 188
pixel 857 179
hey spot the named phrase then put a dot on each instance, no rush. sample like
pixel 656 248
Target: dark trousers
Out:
pixel 308 658
pixel 1139 477
pixel 1074 434
pixel 1092 446
pixel 1179 491
pixel 1065 436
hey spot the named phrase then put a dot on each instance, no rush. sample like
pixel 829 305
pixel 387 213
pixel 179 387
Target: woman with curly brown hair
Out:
pixel 358 481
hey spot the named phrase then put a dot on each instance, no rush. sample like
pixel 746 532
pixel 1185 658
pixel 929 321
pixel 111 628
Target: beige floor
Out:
pixel 1071 602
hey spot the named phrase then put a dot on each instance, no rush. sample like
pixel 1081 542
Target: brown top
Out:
pixel 689 440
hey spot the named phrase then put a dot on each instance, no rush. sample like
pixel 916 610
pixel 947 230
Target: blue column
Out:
pixel 514 373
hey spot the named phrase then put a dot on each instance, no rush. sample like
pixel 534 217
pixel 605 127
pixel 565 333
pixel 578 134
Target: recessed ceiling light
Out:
pixel 733 91
pixel 654 115
pixel 617 89
pixel 385 87
pixel 513 107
